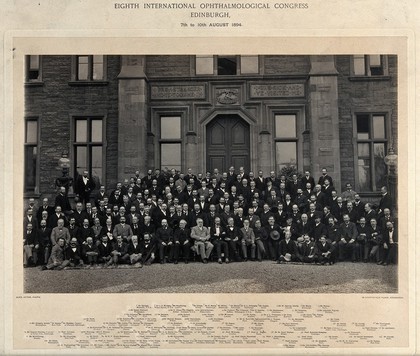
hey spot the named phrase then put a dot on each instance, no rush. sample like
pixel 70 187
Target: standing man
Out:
pixel 84 186
pixel 325 176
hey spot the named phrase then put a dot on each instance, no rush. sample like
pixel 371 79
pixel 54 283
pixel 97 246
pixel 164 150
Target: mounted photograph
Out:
pixel 210 173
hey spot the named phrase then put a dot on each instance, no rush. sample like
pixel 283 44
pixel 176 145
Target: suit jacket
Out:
pixel 305 180
pixel 57 255
pixel 31 238
pixel 164 235
pixel 86 248
pixel 124 231
pixel 182 235
pixel 270 229
pixel 123 248
pixel 248 235
pixel 307 249
pixel 320 248
pixel 44 236
pixel 134 249
pixel 81 188
pixel 103 250
pixel 53 220
pixel 287 247
pixel 79 217
pixel 323 178
pixel 385 202
pixel 197 233
pixel 348 232
pixel 222 233
pixel 73 255
pixel 56 233
pixel 34 222
pixel 386 238
pixel 307 229
pixel 319 230
pixel 63 201
pixel 48 209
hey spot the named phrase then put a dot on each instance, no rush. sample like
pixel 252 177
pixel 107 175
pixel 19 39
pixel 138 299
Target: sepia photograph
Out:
pixel 210 173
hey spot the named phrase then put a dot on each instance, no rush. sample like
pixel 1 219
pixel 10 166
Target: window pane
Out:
pixel 98 67
pixel 31 131
pixel 170 155
pixel 285 154
pixel 82 67
pixel 31 153
pixel 226 65
pixel 97 164
pixel 359 65
pixel 363 163
pixel 81 130
pixel 81 159
pixel 380 167
pixel 285 125
pixel 33 62
pixel 379 126
pixel 33 68
pixel 204 65
pixel 375 60
pixel 363 127
pixel 96 130
pixel 170 127
pixel 249 64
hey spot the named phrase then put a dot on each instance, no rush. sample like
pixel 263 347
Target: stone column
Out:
pixel 323 117
pixel 264 153
pixel 132 121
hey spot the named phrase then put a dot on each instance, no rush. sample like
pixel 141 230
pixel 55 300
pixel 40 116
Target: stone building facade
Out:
pixel 114 115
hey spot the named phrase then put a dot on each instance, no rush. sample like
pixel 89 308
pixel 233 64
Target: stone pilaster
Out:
pixel 264 153
pixel 132 121
pixel 323 117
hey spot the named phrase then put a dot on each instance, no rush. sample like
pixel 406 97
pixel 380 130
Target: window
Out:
pixel 286 140
pixel 370 65
pixel 170 142
pixel 249 65
pixel 90 68
pixel 371 151
pixel 31 155
pixel 226 65
pixel 88 147
pixel 33 68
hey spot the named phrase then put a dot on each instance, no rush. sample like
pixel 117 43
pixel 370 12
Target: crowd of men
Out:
pixel 225 217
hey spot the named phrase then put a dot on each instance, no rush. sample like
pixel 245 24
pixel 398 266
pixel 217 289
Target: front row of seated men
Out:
pixel 231 243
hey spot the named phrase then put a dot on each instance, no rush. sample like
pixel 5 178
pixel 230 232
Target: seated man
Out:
pixel 120 252
pixel 135 252
pixel 260 236
pixel 56 260
pixel 104 251
pixel 347 244
pixel 182 242
pixel 201 236
pixel 30 246
pixel 60 231
pixel 122 229
pixel 375 241
pixel 73 254
pixel 323 251
pixel 164 237
pixel 148 244
pixel 248 239
pixel 90 252
pixel 306 250
pixel 44 234
pixel 232 238
pixel 287 249
pixel 274 234
pixel 362 239
pixel 390 244
pixel 217 235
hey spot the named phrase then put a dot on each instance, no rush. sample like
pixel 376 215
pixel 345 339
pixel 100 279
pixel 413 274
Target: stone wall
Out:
pixel 55 101
pixel 364 95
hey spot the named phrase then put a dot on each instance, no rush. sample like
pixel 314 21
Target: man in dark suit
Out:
pixel 390 244
pixel 217 238
pixel 348 239
pixel 120 252
pixel 104 251
pixel 100 195
pixel 274 234
pixel 44 207
pixel 83 186
pixel 165 241
pixel 385 202
pixel 73 254
pixel 307 178
pixel 324 251
pixel 62 200
pixel 324 176
pixel 44 238
pixel 135 251
pixel 287 249
pixel 30 246
pixel 182 241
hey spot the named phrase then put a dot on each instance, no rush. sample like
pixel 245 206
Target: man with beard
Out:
pixel 182 242
pixel 201 235
pixel 274 235
pixel 217 238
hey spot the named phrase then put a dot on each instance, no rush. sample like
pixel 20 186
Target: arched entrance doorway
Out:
pixel 227 143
